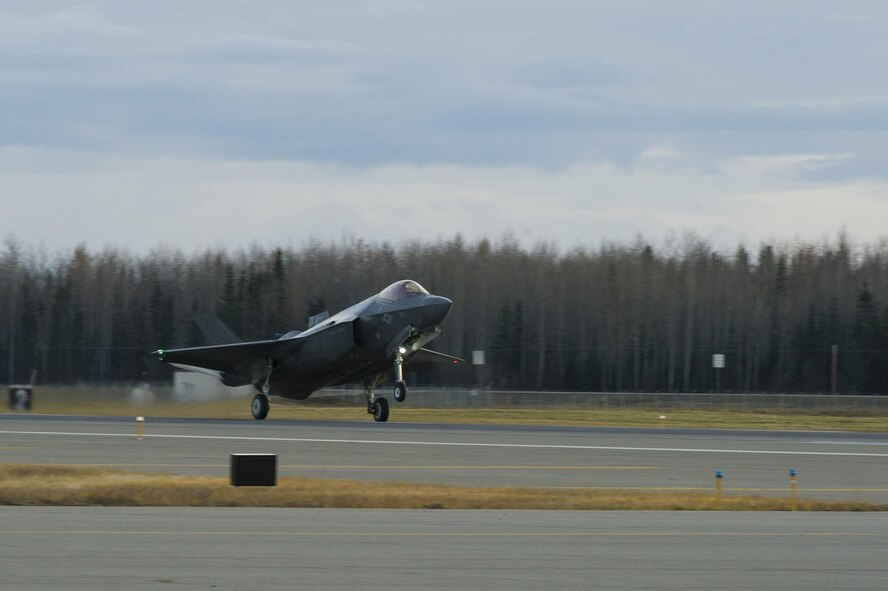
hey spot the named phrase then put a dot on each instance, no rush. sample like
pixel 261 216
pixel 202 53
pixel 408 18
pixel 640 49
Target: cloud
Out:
pixel 276 120
pixel 195 203
pixel 373 83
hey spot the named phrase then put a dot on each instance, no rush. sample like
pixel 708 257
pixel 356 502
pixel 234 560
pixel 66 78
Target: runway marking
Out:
pixel 387 467
pixel 427 534
pixel 127 465
pixel 461 444
pixel 710 489
pixel 871 443
pixel 17 448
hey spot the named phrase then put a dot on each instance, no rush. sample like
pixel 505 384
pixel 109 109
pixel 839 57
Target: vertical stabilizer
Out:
pixel 214 329
pixel 318 318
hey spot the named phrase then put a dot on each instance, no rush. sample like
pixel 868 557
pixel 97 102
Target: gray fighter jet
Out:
pixel 363 343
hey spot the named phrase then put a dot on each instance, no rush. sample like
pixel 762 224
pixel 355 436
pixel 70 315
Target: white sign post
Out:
pixel 479 361
pixel 718 364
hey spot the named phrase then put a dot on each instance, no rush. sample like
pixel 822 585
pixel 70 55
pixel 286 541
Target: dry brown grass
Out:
pixel 73 485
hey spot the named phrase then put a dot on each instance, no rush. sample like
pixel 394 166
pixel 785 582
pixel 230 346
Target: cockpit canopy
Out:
pixel 400 290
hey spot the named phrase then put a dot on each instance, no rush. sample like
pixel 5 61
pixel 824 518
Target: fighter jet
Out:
pixel 364 343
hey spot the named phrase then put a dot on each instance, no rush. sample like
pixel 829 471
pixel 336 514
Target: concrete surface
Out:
pixel 98 548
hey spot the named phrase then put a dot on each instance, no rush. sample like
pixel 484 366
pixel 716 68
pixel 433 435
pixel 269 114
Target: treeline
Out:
pixel 623 316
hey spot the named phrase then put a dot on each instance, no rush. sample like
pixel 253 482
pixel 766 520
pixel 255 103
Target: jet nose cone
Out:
pixel 438 307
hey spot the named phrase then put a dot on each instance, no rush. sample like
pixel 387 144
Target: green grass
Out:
pixel 79 486
pixel 112 403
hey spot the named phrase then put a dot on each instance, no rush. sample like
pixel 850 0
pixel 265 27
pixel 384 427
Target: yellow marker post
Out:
pixel 718 489
pixel 793 489
pixel 140 427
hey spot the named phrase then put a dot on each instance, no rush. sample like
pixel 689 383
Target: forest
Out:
pixel 633 316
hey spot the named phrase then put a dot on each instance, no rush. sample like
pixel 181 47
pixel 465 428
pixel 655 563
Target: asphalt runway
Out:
pixel 830 465
pixel 95 548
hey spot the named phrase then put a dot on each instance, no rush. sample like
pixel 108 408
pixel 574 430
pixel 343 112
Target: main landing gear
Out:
pixel 260 406
pixel 378 407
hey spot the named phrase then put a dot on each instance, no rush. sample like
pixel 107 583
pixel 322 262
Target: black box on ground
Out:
pixel 253 470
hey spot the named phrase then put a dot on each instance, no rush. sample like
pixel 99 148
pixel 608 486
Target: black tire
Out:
pixel 381 410
pixel 400 392
pixel 259 407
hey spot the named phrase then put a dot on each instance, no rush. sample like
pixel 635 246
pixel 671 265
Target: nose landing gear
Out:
pixel 400 391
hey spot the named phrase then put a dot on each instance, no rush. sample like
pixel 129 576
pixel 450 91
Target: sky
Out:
pixel 228 123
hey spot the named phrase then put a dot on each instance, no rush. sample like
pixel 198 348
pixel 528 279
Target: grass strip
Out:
pixel 22 484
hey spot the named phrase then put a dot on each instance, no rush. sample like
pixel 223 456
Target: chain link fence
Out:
pixel 468 398
pixel 454 398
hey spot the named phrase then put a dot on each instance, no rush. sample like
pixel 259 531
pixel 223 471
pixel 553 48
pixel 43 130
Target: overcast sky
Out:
pixel 223 123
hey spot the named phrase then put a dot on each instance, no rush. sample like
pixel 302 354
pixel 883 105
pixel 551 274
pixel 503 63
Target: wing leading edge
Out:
pixel 224 358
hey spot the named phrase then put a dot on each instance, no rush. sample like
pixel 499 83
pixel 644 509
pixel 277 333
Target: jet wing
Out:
pixel 224 358
pixel 427 356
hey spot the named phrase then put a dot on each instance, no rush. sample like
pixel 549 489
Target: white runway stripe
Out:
pixel 461 444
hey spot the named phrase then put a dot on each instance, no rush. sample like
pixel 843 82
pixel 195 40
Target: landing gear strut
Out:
pixel 378 407
pixel 260 405
pixel 400 391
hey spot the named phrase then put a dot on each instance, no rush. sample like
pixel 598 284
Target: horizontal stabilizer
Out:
pixel 193 368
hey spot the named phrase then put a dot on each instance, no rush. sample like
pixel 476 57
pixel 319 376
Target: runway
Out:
pixel 153 548
pixel 830 465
